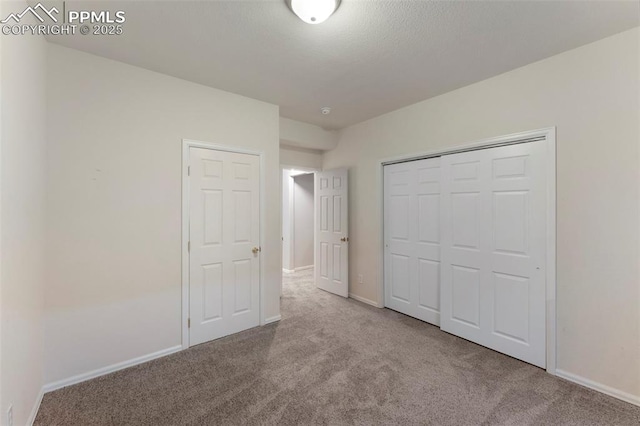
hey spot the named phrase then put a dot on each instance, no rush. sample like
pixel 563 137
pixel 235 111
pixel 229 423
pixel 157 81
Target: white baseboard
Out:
pixel 288 271
pixel 624 396
pixel 109 369
pixel 303 268
pixel 364 300
pixel 272 319
pixel 36 407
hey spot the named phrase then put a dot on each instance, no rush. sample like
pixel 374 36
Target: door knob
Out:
pixel 344 239
pixel 255 250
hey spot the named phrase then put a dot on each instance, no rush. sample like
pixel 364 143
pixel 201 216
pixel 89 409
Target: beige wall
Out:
pixel 591 95
pixel 22 224
pixel 304 135
pixel 287 197
pixel 304 158
pixel 114 201
pixel 303 224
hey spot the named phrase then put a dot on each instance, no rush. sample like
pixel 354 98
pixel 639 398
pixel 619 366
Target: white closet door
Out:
pixel 493 249
pixel 412 238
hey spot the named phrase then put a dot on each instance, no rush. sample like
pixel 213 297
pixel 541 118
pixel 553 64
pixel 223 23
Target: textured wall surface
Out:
pixel 369 58
pixel 114 200
pixel 591 95
pixel 23 145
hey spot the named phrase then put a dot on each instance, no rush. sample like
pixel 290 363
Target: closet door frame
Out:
pixel 549 136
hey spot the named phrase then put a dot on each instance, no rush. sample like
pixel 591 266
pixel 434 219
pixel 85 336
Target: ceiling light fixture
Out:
pixel 313 11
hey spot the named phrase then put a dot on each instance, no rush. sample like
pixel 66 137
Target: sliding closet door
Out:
pixel 493 248
pixel 412 238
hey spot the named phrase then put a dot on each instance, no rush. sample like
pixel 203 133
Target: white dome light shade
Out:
pixel 314 11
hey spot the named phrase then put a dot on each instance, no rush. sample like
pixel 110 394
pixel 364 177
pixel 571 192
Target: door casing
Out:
pixel 186 145
pixel 549 135
pixel 291 211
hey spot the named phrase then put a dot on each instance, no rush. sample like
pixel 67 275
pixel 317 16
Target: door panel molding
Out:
pixel 187 144
pixel 549 136
pixel 505 247
pixel 412 238
pixel 331 261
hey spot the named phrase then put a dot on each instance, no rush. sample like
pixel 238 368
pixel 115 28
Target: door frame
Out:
pixel 549 136
pixel 292 220
pixel 186 145
pixel 306 170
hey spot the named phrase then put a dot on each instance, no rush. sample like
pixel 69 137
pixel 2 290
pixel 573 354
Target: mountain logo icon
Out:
pixel 38 11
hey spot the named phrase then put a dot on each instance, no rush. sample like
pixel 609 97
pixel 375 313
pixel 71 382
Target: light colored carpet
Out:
pixel 333 361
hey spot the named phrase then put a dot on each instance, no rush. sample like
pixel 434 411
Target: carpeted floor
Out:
pixel 333 361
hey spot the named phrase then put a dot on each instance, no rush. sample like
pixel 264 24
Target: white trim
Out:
pixel 549 135
pixel 364 300
pixel 184 248
pixel 109 369
pixel 303 268
pixel 272 319
pixel 288 271
pixel 624 396
pixel 36 408
pixel 302 169
pixel 186 145
pixel 481 144
pixel 550 261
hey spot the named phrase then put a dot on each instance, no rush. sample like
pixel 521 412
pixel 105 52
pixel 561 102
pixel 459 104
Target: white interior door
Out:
pixel 332 233
pixel 493 248
pixel 412 238
pixel 224 233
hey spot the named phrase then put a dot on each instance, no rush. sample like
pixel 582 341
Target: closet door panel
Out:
pixel 412 238
pixel 493 212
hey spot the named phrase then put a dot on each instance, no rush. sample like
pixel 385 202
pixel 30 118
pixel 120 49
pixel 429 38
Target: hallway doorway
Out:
pixel 297 222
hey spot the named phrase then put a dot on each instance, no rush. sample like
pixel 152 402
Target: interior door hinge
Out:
pixel 189 246
pixel 189 323
pixel 188 170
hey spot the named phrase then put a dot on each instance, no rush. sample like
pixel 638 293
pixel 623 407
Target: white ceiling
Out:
pixel 369 58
